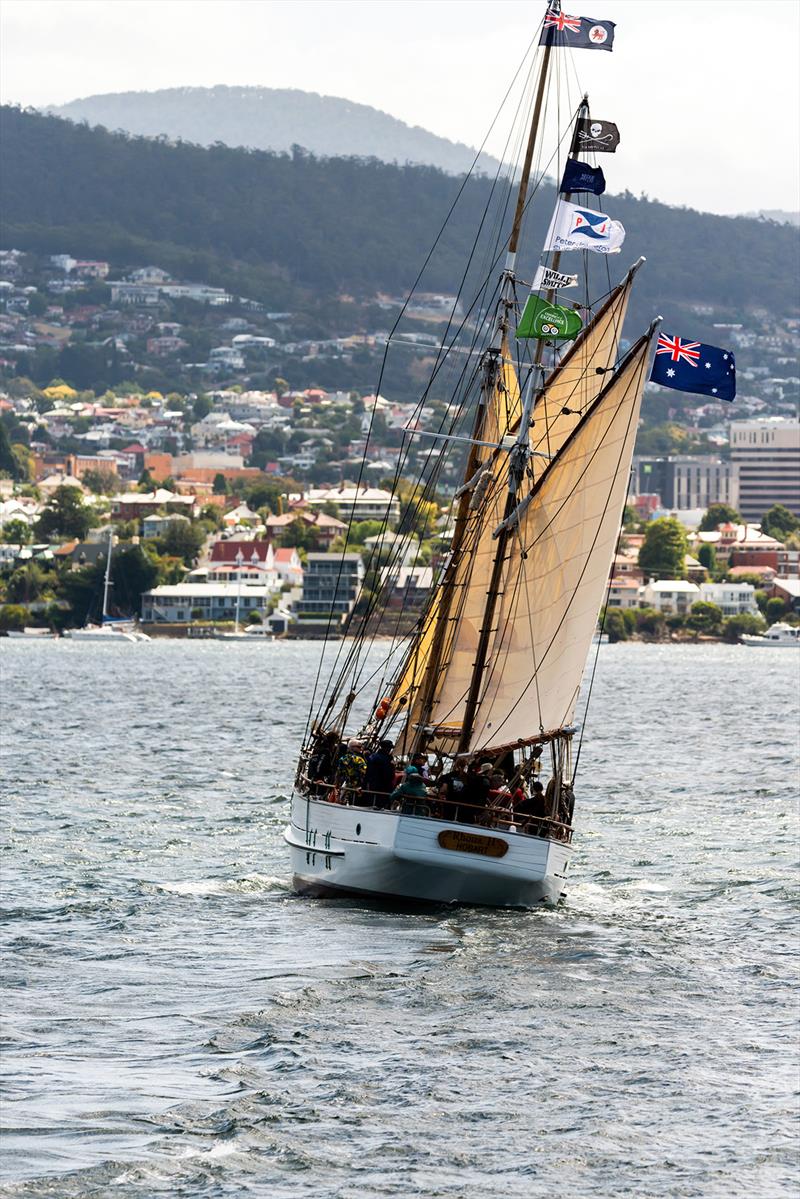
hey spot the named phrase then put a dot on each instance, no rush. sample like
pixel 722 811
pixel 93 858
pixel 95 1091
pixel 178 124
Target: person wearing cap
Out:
pixel 379 778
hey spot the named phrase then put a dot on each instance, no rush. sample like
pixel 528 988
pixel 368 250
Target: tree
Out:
pixel 13 616
pixel 779 522
pixel 146 481
pixel 26 584
pixel 707 556
pixel 664 549
pixel 8 462
pixel 181 539
pixel 716 515
pixel 649 621
pixel 220 485
pixel 132 572
pixel 65 516
pixel 775 609
pixel 100 482
pixel 202 407
pixel 734 626
pixel 16 532
pixel 615 626
pixel 630 517
pixel 704 618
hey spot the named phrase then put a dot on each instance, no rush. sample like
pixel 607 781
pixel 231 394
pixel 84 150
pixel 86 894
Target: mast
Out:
pixel 518 461
pixel 491 369
pixel 239 565
pixel 107 580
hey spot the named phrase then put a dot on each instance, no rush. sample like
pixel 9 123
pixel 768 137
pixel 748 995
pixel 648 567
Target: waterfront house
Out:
pixel 211 600
pixel 623 592
pixel 331 585
pixel 671 597
pixel 733 598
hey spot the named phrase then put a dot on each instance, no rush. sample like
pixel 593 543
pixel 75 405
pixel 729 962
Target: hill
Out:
pixel 265 118
pixel 284 228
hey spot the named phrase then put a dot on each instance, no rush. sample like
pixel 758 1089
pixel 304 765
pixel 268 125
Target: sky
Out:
pixel 705 92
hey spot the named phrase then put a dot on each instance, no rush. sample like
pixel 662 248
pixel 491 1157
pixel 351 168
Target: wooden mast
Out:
pixel 491 367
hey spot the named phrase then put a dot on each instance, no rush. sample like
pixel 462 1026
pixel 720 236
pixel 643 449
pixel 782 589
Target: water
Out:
pixel 177 1023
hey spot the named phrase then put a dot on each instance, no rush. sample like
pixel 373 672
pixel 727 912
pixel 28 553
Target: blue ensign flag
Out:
pixel 695 367
pixel 580 177
pixel 579 33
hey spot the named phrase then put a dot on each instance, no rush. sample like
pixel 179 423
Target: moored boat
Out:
pixel 777 636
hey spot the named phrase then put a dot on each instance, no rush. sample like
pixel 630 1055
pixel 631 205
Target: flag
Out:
pixel 579 177
pixel 541 319
pixel 546 279
pixel 576 228
pixel 595 137
pixel 695 367
pixel 579 33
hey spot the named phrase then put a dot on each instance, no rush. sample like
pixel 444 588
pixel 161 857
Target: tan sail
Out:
pixel 574 385
pixel 552 595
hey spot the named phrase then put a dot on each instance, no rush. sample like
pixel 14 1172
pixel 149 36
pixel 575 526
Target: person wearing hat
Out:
pixel 379 778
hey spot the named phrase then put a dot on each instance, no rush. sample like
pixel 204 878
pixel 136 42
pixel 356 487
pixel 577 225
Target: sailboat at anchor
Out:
pixel 448 775
pixel 111 630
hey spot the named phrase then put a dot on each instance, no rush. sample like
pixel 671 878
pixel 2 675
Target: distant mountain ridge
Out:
pixel 265 118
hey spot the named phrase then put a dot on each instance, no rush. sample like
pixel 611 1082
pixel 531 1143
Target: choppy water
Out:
pixel 176 1023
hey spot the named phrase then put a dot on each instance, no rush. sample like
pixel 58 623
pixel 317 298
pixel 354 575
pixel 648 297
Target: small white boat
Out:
pixel 32 634
pixel 777 636
pixel 110 631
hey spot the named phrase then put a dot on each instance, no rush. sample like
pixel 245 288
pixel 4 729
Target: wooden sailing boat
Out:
pixel 489 678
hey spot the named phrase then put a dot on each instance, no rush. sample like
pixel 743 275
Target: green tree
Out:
pixel 65 516
pixel 716 515
pixel 202 407
pixel 26 584
pixel 101 482
pixel 734 626
pixel 705 618
pixel 8 462
pixel 707 556
pixel 16 532
pixel 775 609
pixel 133 572
pixel 181 539
pixel 146 481
pixel 779 522
pixel 615 625
pixel 13 616
pixel 664 549
pixel 220 485
pixel 650 622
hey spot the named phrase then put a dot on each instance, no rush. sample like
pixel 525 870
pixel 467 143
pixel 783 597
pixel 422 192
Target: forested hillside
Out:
pixel 278 227
pixel 266 118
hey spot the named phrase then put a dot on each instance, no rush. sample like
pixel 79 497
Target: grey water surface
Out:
pixel 175 1022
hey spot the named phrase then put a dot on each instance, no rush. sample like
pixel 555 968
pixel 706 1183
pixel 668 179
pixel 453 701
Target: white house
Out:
pixel 364 503
pixel 623 593
pixel 670 596
pixel 732 598
pixel 216 601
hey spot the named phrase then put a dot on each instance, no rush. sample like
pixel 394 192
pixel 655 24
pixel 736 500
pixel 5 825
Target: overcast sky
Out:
pixel 705 92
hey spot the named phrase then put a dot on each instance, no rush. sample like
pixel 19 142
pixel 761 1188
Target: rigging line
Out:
pixel 402 311
pixel 634 382
pixel 603 614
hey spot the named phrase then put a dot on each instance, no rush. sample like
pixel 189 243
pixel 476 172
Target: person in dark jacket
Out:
pixel 379 779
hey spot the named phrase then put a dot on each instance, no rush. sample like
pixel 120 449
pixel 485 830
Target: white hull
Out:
pixel 32 634
pixel 336 850
pixel 109 636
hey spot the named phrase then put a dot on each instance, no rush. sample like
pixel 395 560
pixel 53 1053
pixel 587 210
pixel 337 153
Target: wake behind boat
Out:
pixel 445 769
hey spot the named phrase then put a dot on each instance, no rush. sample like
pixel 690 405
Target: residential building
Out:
pixel 623 593
pixel 767 453
pixel 357 503
pixel 215 600
pixel 331 585
pixel 732 598
pixel 132 505
pixel 156 526
pixel 687 481
pixel 671 597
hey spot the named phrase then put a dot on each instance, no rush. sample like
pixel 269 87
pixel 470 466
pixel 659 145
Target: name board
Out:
pixel 490 847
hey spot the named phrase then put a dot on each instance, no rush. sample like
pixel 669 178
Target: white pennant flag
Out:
pixel 550 280
pixel 577 228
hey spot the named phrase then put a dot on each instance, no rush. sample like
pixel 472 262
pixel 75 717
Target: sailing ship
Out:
pixel 112 630
pixel 486 684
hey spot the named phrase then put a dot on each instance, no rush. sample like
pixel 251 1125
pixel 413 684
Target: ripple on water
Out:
pixel 177 1023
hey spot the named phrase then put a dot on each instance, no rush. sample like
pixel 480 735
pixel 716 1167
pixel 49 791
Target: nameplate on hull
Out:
pixel 490 847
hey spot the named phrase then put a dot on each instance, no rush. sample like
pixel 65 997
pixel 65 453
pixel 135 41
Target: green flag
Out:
pixel 541 319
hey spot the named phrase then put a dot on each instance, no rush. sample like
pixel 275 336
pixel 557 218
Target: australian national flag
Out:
pixel 579 177
pixel 693 366
pixel 580 33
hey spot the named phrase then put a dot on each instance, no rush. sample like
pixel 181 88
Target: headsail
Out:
pixel 574 386
pixel 558 567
